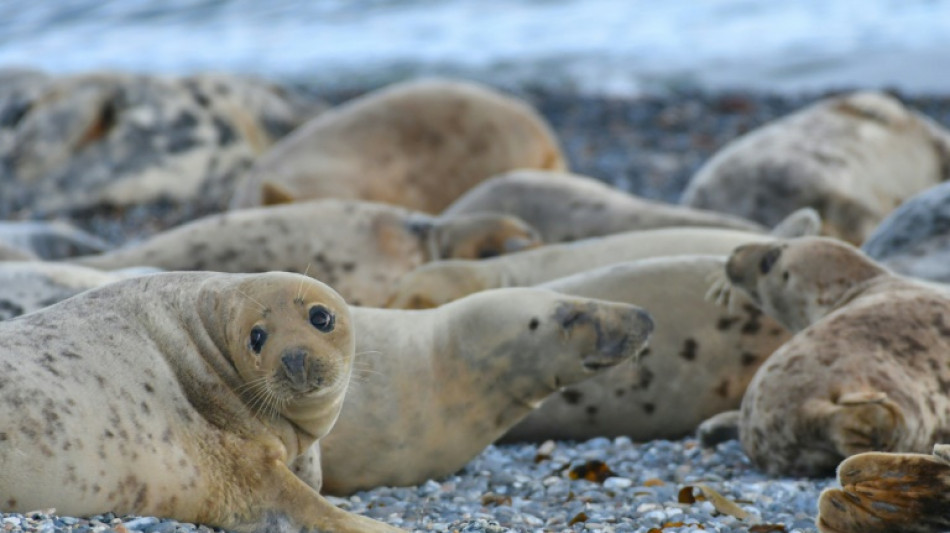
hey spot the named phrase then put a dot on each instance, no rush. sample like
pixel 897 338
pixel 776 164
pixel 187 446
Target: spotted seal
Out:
pixel 439 282
pixel 433 388
pixel 868 368
pixel 853 157
pixel 180 395
pixel 699 363
pixel 359 248
pixel 567 207
pixel 419 144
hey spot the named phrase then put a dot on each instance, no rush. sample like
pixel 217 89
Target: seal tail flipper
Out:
pixel 865 421
pixel 889 492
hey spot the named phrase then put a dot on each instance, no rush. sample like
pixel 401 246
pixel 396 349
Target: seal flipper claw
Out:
pixel 719 428
pixel 888 492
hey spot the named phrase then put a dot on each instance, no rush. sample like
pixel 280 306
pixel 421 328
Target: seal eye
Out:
pixel 258 338
pixel 322 318
pixel 769 259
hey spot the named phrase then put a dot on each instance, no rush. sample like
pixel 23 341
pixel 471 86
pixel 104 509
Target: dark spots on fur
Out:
pixel 348 266
pixel 591 410
pixel 648 408
pixel 109 434
pixel 619 392
pixel 533 325
pixel 726 322
pixel 70 355
pixel 646 377
pixel 3 436
pixel 644 353
pixel 11 503
pixel 689 349
pixel 226 135
pixel 792 363
pixel 940 325
pixel 145 408
pixel 911 346
pixel 754 320
pixel 149 389
pixel 100 380
pixel 775 332
pixel 571 396
pixel 228 256
pixel 723 389
pixel 748 359
pixel 46 361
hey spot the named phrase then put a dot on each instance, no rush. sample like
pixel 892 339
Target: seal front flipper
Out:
pixel 299 508
pixel 719 428
pixel 889 492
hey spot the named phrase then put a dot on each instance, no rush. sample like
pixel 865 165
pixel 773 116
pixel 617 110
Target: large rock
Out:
pixel 854 158
pixel 84 141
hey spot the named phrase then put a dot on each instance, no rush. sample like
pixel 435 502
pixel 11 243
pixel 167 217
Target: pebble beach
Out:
pixel 648 145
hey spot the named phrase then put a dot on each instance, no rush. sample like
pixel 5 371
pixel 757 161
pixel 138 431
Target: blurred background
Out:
pixel 597 47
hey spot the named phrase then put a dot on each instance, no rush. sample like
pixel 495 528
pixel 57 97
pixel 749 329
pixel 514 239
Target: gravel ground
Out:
pixel 598 485
pixel 649 146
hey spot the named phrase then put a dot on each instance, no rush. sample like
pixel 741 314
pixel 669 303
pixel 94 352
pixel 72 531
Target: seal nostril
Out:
pixel 294 361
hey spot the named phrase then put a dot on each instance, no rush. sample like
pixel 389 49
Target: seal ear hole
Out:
pixel 322 319
pixel 769 259
pixel 258 338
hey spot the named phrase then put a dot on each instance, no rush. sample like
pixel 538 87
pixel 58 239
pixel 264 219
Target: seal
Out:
pixel 206 386
pixel 699 363
pixel 9 252
pixel 868 368
pixel 359 248
pixel 439 282
pixel 841 155
pixel 888 492
pixel 109 139
pixel 567 207
pixel 26 286
pixel 419 144
pixel 433 388
pixel 914 240
pixel 50 240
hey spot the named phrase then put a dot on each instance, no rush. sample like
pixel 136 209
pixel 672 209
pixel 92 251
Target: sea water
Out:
pixel 592 46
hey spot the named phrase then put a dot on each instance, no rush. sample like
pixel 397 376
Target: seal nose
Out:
pixel 294 361
pixel 733 270
pixel 628 337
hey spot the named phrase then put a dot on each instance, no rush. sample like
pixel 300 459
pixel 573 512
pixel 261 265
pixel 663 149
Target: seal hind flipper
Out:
pixel 865 421
pixel 889 492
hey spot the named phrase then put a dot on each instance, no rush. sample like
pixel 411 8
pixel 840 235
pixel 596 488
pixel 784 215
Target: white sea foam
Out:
pixel 618 46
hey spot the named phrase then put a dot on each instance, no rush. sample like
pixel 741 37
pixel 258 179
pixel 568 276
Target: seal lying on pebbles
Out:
pixel 14 253
pixel 439 282
pixel 915 239
pixel 889 492
pixel 701 356
pixel 419 144
pixel 26 286
pixel 568 207
pixel 206 386
pixel 89 140
pixel 867 370
pixel 854 158
pixel 50 240
pixel 432 389
pixel 359 248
